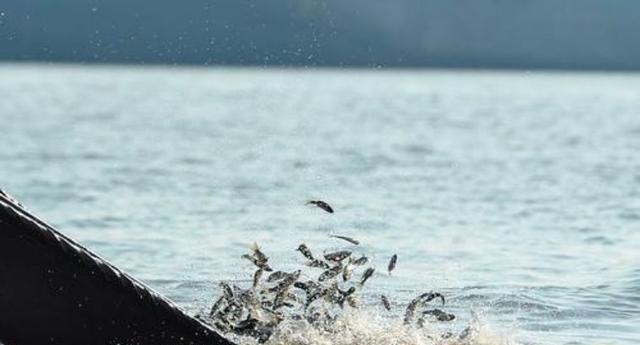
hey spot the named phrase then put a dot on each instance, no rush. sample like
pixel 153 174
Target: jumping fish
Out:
pixel 410 312
pixel 385 302
pixel 344 296
pixel 348 271
pixel 258 254
pixel 330 273
pixel 337 256
pixel 257 276
pixel 227 291
pixel 277 275
pixel 216 306
pixel 257 312
pixel 439 314
pixel 323 205
pixel 258 263
pixel 318 264
pixel 352 301
pixel 392 263
pixel 366 275
pixel 419 301
pixel 361 261
pixel 332 293
pixel 303 285
pixel 350 291
pixel 286 282
pixel 348 239
pixel 305 251
pixel 311 297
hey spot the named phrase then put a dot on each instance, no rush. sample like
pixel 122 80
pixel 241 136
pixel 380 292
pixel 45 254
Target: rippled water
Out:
pixel 515 194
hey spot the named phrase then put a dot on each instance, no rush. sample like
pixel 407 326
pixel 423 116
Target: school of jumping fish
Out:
pixel 274 295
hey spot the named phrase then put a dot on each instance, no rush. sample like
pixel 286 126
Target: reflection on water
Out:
pixel 515 194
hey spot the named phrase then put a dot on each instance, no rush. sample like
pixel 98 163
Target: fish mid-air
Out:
pixel 323 205
pixel 305 251
pixel 258 310
pixel 392 263
pixel 348 239
pixel 385 302
pixel 366 275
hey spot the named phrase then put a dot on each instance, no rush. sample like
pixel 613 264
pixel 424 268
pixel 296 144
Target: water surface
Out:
pixel 516 194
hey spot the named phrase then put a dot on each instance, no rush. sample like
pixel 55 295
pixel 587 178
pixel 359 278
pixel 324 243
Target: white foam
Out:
pixel 362 327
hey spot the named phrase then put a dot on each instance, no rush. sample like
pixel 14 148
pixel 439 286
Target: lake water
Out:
pixel 517 195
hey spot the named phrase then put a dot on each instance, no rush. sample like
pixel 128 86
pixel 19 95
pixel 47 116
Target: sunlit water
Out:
pixel 517 195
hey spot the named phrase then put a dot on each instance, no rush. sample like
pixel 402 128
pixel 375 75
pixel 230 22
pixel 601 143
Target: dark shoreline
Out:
pixel 354 67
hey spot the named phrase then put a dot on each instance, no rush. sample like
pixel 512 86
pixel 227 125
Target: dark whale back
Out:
pixel 54 291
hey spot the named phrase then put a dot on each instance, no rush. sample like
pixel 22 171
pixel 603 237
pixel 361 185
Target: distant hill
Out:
pixel 573 34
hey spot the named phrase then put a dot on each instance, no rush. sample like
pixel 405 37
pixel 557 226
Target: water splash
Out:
pixel 254 315
pixel 364 327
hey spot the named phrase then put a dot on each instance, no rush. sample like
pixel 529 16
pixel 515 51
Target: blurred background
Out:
pixel 557 34
pixel 491 144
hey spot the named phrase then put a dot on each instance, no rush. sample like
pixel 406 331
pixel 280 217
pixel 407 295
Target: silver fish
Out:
pixel 277 275
pixel 332 293
pixel 279 300
pixel 428 297
pixel 226 290
pixel 392 263
pixel 350 291
pixel 318 264
pixel 266 304
pixel 305 251
pixel 347 293
pixel 468 332
pixel 285 283
pixel 309 286
pixel 366 275
pixel 337 256
pixel 345 238
pixel 292 278
pixel 302 285
pixel 352 301
pixel 246 297
pixel 311 297
pixel 439 314
pixel 348 271
pixel 419 301
pixel 323 205
pixel 259 255
pixel 257 276
pixel 330 273
pixel 410 313
pixel 361 261
pixel 259 264
pixel 385 302
pixel 216 306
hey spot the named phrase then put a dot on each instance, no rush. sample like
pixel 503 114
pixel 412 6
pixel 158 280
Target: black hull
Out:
pixel 54 291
